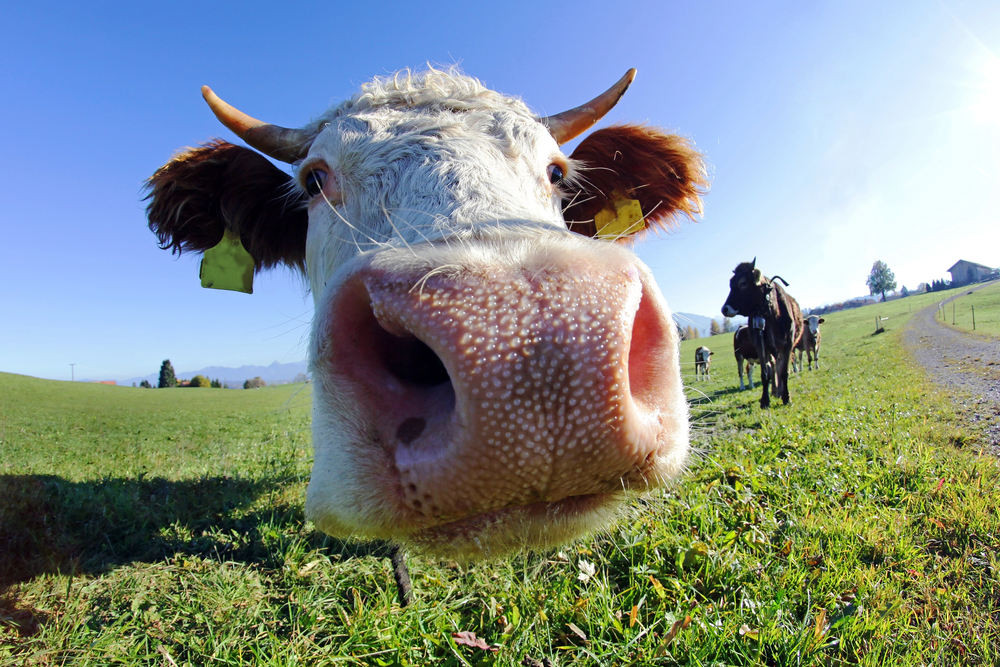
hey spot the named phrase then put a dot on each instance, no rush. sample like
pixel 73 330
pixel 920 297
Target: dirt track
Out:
pixel 965 365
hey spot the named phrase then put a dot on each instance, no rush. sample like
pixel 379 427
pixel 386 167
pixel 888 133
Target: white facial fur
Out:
pixel 435 182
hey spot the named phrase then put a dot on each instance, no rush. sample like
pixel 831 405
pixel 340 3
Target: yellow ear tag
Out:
pixel 228 265
pixel 624 219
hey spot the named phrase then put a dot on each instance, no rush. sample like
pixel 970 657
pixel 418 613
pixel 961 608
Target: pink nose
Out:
pixel 485 392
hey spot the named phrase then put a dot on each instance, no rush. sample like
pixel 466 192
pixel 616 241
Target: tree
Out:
pixel 217 383
pixel 714 329
pixel 727 325
pixel 691 333
pixel 881 279
pixel 167 377
pixel 905 292
pixel 200 381
pixel 145 384
pixel 255 383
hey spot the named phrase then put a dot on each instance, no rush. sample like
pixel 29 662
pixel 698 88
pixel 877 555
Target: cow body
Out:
pixel 745 353
pixel 702 362
pixel 774 321
pixel 485 378
pixel 810 341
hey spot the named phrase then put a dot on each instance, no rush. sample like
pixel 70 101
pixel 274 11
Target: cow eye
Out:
pixel 555 174
pixel 314 182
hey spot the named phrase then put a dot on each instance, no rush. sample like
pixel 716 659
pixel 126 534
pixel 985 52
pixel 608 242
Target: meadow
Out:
pixel 856 526
pixel 983 305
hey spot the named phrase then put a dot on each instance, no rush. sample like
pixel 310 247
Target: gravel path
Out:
pixel 965 365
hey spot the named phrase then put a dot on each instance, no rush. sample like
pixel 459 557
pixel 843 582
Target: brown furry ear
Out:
pixel 203 191
pixel 663 171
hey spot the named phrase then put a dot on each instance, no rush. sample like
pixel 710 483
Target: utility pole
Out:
pixel 72 373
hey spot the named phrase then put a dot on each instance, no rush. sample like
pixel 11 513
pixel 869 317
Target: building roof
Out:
pixel 965 261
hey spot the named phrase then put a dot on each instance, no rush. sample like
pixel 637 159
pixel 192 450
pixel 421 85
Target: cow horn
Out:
pixel 279 142
pixel 567 125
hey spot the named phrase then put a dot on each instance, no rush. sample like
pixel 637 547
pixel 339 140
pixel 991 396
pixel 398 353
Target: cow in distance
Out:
pixel 702 362
pixel 774 320
pixel 809 342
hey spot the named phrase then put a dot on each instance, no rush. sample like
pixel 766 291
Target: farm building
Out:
pixel 965 272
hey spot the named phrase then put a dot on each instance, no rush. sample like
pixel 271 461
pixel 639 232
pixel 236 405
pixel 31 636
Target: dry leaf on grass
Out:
pixel 466 638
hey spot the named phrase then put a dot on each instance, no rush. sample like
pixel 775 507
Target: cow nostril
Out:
pixel 411 360
pixel 647 351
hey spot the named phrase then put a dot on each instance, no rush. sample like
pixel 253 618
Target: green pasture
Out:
pixel 856 526
pixel 985 301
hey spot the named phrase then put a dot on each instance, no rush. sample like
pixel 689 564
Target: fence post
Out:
pixel 953 313
pixel 973 318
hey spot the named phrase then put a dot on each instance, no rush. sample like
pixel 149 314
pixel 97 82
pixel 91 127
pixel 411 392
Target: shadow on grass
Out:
pixel 49 525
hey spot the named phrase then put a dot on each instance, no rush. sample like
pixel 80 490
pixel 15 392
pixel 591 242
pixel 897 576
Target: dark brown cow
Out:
pixel 744 351
pixel 775 322
pixel 809 342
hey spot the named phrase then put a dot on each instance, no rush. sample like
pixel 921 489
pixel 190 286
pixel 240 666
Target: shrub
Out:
pixel 200 381
pixel 255 383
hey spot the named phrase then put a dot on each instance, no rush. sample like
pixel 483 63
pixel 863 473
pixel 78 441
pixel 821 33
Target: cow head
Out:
pixel 748 291
pixel 488 375
pixel 813 322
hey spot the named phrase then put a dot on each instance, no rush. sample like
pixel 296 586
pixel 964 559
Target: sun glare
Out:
pixel 987 106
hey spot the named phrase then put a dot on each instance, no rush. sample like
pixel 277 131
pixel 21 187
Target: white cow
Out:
pixel 702 362
pixel 491 370
pixel 810 342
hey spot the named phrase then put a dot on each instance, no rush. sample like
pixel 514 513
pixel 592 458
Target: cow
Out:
pixel 744 351
pixel 775 323
pixel 702 362
pixel 809 342
pixel 493 368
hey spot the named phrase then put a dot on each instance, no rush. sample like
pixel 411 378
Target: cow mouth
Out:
pixel 481 535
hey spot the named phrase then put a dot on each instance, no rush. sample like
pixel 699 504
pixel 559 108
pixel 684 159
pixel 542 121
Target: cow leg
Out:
pixel 749 375
pixel 766 367
pixel 766 373
pixel 781 387
pixel 404 588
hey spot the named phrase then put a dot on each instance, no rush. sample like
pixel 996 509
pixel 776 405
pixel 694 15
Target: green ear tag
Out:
pixel 228 265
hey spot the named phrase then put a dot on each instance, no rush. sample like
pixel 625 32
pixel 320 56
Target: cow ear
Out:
pixel 204 191
pixel 663 171
pixel 757 277
pixel 821 320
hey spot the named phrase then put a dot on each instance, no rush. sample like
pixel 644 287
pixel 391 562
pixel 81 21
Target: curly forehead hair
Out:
pixel 432 89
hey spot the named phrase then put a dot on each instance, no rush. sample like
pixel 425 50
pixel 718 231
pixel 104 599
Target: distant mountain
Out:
pixel 274 374
pixel 703 324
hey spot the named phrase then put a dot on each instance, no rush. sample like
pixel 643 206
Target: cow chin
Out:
pixel 470 408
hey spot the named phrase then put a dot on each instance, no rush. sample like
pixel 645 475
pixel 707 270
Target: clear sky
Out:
pixel 838 133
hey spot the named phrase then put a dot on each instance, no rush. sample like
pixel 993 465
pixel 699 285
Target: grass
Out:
pixel 855 526
pixel 986 301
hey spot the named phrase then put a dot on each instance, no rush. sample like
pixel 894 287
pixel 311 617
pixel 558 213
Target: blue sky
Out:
pixel 838 133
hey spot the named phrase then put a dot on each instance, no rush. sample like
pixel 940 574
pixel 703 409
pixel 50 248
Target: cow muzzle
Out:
pixel 478 392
